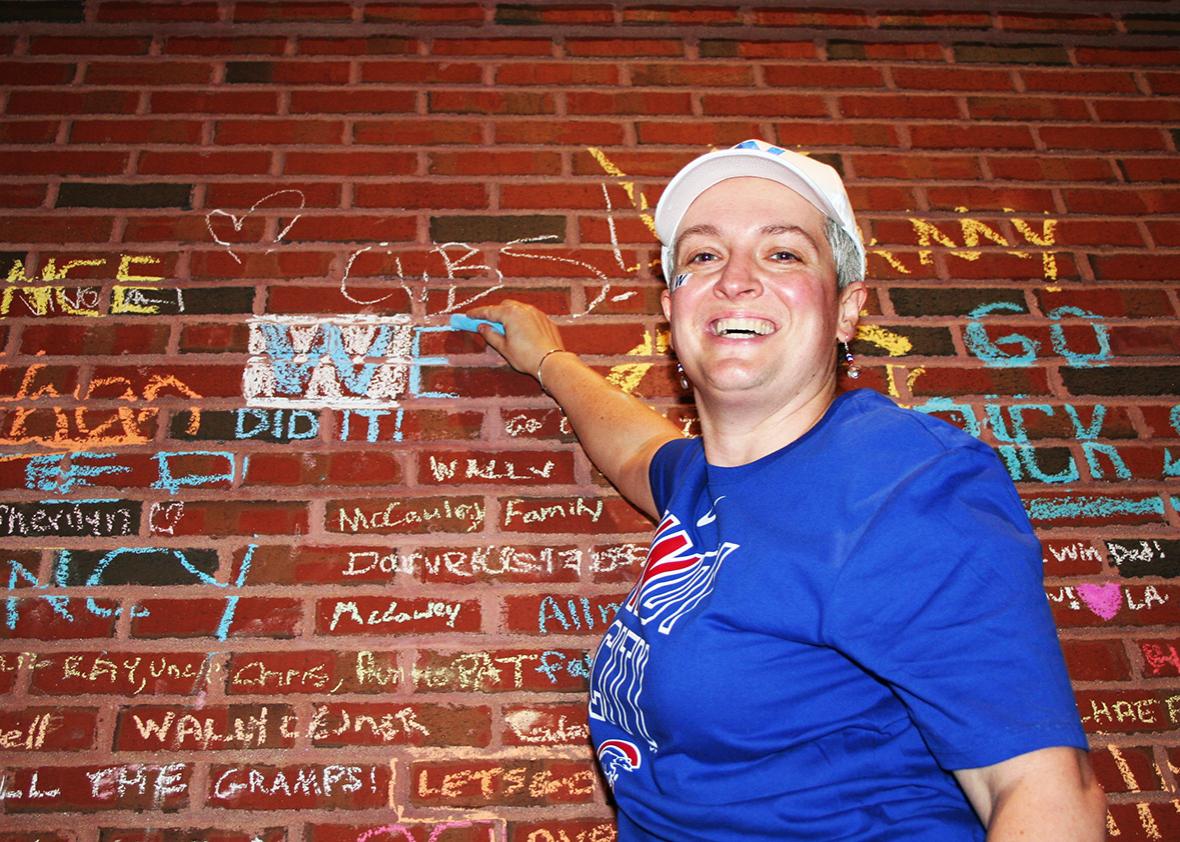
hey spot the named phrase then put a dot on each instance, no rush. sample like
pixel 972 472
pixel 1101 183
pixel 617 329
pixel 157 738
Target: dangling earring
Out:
pixel 850 362
pixel 682 377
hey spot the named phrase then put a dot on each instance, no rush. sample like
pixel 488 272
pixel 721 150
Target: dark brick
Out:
pixel 950 302
pixel 43 11
pixel 1123 380
pixel 1145 557
pixel 248 72
pixel 205 300
pixel 265 425
pixel 141 566
pixel 495 229
pixel 1022 54
pixel 76 194
pixel 925 341
pixel 70 520
pixel 1152 23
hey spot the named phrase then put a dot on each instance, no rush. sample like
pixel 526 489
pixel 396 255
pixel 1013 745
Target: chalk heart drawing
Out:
pixel 1104 600
pixel 236 222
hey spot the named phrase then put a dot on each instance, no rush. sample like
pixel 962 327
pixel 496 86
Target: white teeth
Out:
pixel 742 327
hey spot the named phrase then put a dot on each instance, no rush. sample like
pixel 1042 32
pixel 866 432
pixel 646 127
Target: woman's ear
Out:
pixel 848 307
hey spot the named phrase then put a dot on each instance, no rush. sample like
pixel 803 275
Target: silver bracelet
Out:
pixel 541 363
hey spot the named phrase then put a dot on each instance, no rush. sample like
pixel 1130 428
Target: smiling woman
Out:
pixel 840 630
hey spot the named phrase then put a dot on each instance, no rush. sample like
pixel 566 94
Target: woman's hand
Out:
pixel 528 334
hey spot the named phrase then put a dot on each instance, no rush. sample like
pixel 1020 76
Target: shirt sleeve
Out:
pixel 666 465
pixel 942 598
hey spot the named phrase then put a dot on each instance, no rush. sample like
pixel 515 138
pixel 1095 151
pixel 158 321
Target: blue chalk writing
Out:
pixel 172 483
pixel 231 603
pixel 1054 508
pixel 978 343
pixel 279 423
pixel 1057 336
pixel 419 361
pixel 63 472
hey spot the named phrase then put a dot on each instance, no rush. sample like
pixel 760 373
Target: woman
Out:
pixel 840 631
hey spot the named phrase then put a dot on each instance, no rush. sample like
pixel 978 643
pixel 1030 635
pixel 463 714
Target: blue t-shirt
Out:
pixel 819 635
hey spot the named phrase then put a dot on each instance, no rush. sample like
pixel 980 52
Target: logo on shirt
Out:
pixel 619 665
pixel 676 576
pixel 617 756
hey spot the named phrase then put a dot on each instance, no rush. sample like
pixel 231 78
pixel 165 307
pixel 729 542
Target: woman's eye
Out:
pixel 702 257
pixel 785 255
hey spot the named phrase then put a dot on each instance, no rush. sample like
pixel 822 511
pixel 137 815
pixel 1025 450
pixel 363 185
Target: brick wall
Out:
pixel 288 559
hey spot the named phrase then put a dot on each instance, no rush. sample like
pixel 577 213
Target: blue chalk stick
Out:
pixel 461 322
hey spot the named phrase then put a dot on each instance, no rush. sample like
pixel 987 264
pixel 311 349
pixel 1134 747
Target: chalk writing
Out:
pixel 52 299
pixel 236 222
pixel 1021 350
pixel 30 736
pixel 123 425
pixel 503 782
pixel 70 519
pixel 302 780
pixel 62 473
pixel 442 470
pixel 526 512
pixel 604 832
pixel 117 781
pixel 350 361
pixel 490 561
pixel 1106 600
pixel 277 424
pixel 542 728
pixel 398 513
pixel 346 613
pixel 574 615
pixel 396 832
pixel 1073 552
pixel 32 791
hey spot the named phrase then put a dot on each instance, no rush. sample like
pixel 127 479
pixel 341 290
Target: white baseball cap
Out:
pixel 814 181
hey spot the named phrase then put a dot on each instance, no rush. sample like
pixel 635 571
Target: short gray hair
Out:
pixel 845 254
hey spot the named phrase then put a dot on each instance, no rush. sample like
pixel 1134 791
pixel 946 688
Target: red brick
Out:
pixel 186 228
pixel 417 132
pixel 37 72
pixel 413 425
pixel 1126 769
pixel 1029 200
pixel 1133 266
pixel 301 299
pixel 138 131
pixel 834 133
pixel 886 51
pixel 72 102
pixel 242 517
pixel 353 228
pixel 1145 340
pixel 204 163
pixel 48 729
pixel 1150 169
pixel 213 338
pixel 1103 82
pixel 22 195
pixel 1102 137
pixel 898 106
pixel 369 46
pixel 1162 83
pixel 557 73
pixel 215 46
pixel 489 102
pixel 916 167
pixel 382 724
pixel 412 72
pixel 1165 232
pixel 952 79
pixel 768 105
pixel 690 15
pixel 125 12
pixel 386 164
pixel 313 671
pixel 1146 57
pixel 616 48
pixel 29 131
pixel 252 617
pixel 492 47
pixel 1115 303
pixel 1049 22
pixel 231 195
pixel 1137 110
pixel 156 73
pixel 121 673
pixel 822 76
pixel 298 787
pixel 1026 108
pixel 696 133
pixel 448 13
pixel 494 163
pixel 301 73
pixel 934 20
pixel 629 102
pixel 506 781
pixel 93 339
pixel 279 132
pixel 563 132
pixel 88 45
pixel 134 786
pixel 974 136
pixel 961 381
pixel 306 11
pixel 700 75
pixel 59 229
pixel 353 102
pixel 1106 232
pixel 1096 660
pixel 171 728
pixel 521 13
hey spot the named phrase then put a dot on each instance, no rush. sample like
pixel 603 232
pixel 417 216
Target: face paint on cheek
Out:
pixel 679 281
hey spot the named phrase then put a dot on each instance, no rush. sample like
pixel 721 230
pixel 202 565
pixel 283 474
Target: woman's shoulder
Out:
pixel 870 420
